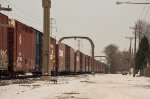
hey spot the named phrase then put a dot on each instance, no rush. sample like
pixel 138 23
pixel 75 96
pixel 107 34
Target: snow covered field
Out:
pixel 97 86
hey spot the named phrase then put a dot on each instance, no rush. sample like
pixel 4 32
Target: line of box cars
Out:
pixel 21 52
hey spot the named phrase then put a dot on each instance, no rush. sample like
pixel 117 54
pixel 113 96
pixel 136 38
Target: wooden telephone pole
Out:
pixel 46 38
pixel 130 38
pixel 134 71
pixel 79 45
pixel 130 58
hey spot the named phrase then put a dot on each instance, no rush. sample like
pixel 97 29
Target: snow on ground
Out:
pixel 99 86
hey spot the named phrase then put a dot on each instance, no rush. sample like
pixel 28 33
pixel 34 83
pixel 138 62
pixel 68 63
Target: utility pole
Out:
pixel 139 38
pixel 5 9
pixel 130 38
pixel 134 51
pixel 79 44
pixel 130 60
pixel 46 37
pixel 53 21
pixel 140 32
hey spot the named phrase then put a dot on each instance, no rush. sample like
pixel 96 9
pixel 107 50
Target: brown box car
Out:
pixel 72 60
pixel 61 57
pixel 78 61
pixel 3 42
pixel 22 40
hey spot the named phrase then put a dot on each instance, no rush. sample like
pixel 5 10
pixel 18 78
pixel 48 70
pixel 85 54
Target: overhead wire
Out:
pixel 25 18
pixel 17 8
pixel 54 25
pixel 146 13
pixel 143 10
pixel 19 17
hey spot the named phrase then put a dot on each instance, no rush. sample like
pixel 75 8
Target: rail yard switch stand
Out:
pixel 54 79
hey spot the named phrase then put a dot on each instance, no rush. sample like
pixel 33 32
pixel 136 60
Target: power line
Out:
pixel 23 11
pixel 79 44
pixel 53 25
pixel 146 12
pixel 13 14
pixel 25 18
pixel 143 10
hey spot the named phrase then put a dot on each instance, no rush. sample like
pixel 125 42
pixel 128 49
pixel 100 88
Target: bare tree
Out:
pixel 143 29
pixel 119 60
pixel 110 51
pixel 125 56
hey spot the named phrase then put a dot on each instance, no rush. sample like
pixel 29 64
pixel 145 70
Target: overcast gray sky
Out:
pixel 101 20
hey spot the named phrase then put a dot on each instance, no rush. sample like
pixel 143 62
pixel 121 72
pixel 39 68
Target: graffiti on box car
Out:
pixel 61 53
pixel 3 58
pixel 20 39
pixel 19 61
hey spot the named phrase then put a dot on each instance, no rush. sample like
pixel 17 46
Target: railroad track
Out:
pixel 19 77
